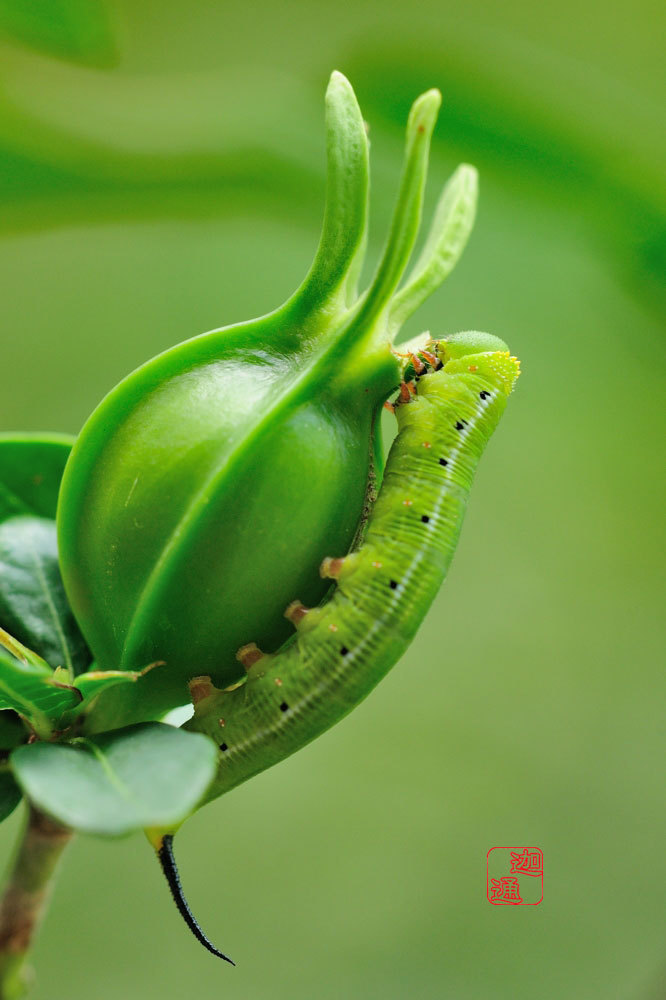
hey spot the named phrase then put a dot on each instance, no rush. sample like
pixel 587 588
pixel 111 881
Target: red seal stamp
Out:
pixel 514 876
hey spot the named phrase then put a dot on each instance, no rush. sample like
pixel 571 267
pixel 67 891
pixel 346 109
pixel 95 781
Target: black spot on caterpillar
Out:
pixel 383 589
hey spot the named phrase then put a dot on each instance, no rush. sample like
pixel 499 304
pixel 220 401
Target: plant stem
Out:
pixel 25 898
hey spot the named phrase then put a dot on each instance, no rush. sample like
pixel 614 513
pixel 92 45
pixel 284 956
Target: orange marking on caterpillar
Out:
pixel 389 406
pixel 405 392
pixel 330 568
pixel 200 688
pixel 296 612
pixel 249 655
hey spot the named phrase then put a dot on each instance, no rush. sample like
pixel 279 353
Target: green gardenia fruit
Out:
pixel 207 487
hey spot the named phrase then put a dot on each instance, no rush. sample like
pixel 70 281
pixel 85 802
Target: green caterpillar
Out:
pixel 342 649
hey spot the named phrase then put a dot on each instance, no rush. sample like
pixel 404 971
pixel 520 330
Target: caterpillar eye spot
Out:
pixel 484 394
pixel 393 584
pixel 460 424
pixel 425 518
pixel 223 747
pixel 284 707
pixel 443 461
pixel 343 651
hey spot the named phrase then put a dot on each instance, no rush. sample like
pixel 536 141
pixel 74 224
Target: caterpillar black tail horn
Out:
pixel 168 863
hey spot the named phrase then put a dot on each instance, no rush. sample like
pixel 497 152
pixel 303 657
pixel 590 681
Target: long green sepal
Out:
pixel 343 235
pixel 407 214
pixel 362 345
pixel 448 236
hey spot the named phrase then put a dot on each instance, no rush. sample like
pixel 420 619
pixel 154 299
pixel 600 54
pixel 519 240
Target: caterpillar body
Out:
pixel 343 648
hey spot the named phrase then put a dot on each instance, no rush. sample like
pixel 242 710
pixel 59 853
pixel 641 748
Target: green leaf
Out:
pixel 92 684
pixel 31 467
pixel 96 681
pixel 71 29
pixel 149 775
pixel 21 652
pixel 10 794
pixel 33 605
pixel 30 689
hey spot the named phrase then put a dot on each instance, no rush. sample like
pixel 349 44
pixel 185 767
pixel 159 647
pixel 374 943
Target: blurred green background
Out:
pixel 163 173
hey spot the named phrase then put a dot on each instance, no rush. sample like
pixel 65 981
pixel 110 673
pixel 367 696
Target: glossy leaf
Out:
pixel 31 467
pixel 33 605
pixel 10 794
pixel 149 775
pixel 30 689
pixel 93 683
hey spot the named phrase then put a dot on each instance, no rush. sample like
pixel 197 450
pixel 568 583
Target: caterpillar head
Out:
pixel 491 356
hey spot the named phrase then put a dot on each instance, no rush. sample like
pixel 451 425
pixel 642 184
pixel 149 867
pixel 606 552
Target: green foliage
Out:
pixel 33 605
pixel 32 690
pixel 148 775
pixel 31 467
pixel 34 610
